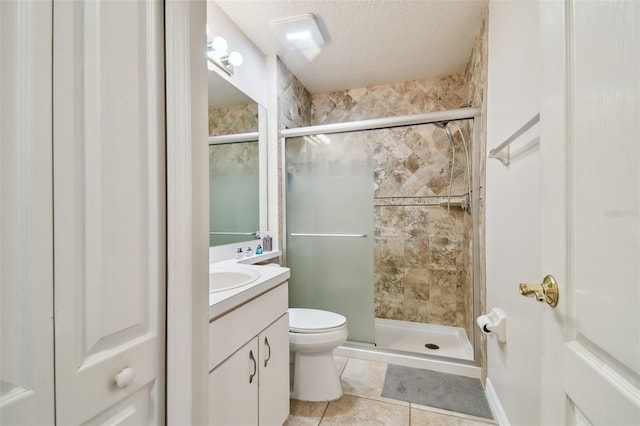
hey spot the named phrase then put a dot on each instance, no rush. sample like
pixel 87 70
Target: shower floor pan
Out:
pixel 420 338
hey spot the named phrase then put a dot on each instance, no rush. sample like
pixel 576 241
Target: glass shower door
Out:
pixel 329 214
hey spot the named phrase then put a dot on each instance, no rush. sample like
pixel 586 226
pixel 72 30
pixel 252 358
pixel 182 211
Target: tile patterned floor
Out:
pixel 361 404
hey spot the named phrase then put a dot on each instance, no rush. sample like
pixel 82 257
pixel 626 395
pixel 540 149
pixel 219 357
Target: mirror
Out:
pixel 236 136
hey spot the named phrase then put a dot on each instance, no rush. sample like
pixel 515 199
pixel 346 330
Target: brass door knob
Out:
pixel 545 292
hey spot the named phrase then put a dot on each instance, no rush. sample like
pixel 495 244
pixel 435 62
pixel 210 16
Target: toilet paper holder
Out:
pixel 495 322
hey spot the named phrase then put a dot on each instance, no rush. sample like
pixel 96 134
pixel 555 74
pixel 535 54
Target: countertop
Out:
pixel 270 276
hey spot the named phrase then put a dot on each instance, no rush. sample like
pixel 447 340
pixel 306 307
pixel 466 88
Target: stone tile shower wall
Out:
pixel 421 265
pixel 294 101
pixel 233 119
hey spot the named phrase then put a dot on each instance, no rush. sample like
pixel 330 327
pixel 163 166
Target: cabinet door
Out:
pixel 273 405
pixel 233 388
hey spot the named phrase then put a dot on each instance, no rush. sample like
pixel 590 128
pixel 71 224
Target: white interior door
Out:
pixel 26 231
pixel 591 211
pixel 109 204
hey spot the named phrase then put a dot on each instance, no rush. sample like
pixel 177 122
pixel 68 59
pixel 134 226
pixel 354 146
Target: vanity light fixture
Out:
pixel 299 32
pixel 218 55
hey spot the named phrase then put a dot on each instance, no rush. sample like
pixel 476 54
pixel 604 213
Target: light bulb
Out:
pixel 219 44
pixel 235 59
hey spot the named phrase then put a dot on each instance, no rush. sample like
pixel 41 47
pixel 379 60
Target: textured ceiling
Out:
pixel 368 41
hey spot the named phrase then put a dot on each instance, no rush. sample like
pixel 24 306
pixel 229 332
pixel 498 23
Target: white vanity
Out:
pixel 248 345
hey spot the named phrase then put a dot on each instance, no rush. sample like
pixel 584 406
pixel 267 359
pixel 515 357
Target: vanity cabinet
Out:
pixel 249 362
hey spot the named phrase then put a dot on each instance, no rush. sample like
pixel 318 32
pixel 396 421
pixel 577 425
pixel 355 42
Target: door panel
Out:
pixel 109 208
pixel 606 185
pixel 133 410
pixel 591 219
pixel 329 193
pixel 233 388
pixel 273 401
pixel 26 243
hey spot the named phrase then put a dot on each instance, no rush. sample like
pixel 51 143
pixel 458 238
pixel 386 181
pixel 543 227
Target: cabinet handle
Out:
pixel 266 343
pixel 255 366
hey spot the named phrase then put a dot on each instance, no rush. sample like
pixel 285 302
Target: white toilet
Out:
pixel 313 335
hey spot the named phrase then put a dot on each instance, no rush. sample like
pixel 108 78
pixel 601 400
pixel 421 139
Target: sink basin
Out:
pixel 226 279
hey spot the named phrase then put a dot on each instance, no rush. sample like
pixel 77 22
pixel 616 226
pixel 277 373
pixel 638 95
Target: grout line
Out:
pixel 451 413
pixel 324 412
pixel 400 403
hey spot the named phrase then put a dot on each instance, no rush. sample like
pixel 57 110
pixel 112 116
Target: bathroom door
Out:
pixel 109 212
pixel 591 212
pixel 330 226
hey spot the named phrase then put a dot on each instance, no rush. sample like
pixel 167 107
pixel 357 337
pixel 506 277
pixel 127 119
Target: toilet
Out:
pixel 313 335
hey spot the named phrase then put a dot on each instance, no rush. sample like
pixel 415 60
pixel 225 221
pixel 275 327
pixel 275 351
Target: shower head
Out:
pixel 444 125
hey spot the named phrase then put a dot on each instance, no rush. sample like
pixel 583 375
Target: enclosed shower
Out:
pixel 379 227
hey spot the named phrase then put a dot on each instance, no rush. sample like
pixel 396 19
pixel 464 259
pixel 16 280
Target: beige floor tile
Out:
pixel 341 363
pixel 353 411
pixel 366 379
pixel 303 413
pixel 435 417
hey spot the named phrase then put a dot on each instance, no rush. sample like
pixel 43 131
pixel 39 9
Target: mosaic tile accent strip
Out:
pixel 456 201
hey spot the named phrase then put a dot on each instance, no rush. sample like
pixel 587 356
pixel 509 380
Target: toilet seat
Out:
pixel 313 321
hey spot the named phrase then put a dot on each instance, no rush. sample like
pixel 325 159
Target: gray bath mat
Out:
pixel 439 390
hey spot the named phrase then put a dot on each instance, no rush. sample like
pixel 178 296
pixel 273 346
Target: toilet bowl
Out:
pixel 313 335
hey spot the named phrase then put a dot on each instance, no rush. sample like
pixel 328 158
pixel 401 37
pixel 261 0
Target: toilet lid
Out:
pixel 302 320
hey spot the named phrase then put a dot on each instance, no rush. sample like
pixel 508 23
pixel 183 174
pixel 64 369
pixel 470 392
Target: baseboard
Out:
pixel 496 407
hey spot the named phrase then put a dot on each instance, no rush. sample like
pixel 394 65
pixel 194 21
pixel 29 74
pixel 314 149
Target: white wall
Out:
pixel 251 76
pixel 513 209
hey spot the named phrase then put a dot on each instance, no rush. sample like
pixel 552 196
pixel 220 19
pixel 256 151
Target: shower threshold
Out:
pixel 451 342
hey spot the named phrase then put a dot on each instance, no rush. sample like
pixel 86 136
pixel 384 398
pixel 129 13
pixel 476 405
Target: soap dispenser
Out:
pixel 267 242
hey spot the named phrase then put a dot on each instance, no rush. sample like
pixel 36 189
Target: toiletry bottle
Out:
pixel 259 249
pixel 266 242
pixel 239 254
pixel 248 253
